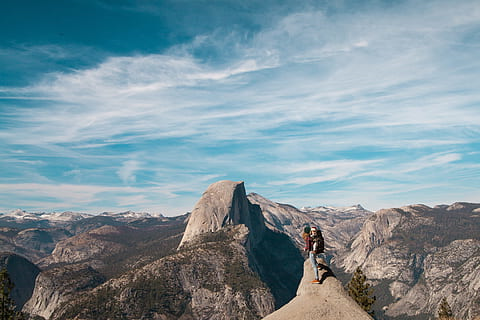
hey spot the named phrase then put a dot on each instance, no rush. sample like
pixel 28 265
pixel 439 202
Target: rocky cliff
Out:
pixel 32 243
pixel 209 279
pixel 35 235
pixel 327 301
pixel 338 225
pixel 229 266
pixel 417 255
pixel 75 268
pixel 59 285
pixel 23 274
pixel 224 203
pixel 235 260
pixel 90 246
pixel 452 272
pixel 414 255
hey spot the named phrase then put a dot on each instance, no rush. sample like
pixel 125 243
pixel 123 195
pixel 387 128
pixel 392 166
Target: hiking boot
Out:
pixel 316 281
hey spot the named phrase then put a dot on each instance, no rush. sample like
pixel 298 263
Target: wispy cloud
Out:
pixel 311 97
pixel 315 172
pixel 127 171
pixel 90 198
pixel 335 79
pixel 432 161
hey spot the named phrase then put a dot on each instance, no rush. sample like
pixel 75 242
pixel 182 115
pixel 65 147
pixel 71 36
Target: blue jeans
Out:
pixel 313 260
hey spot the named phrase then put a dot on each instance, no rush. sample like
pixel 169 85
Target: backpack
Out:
pixel 318 243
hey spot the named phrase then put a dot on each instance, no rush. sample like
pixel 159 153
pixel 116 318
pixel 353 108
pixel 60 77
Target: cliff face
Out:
pixel 234 263
pixel 224 203
pixel 376 231
pixel 229 266
pixel 414 255
pixel 451 271
pixel 271 255
pixel 35 236
pixel 89 246
pixel 210 279
pixel 327 300
pixel 32 243
pixel 338 225
pixel 417 255
pixel 22 273
pixel 74 270
pixel 57 286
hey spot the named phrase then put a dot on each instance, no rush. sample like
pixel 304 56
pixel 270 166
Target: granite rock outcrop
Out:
pixel 327 300
pixel 224 203
pixel 228 266
pixel 417 255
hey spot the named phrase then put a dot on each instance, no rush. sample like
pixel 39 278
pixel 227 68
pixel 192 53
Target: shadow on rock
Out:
pixel 325 272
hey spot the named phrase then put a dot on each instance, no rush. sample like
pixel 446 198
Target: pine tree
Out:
pixel 444 310
pixel 7 306
pixel 361 291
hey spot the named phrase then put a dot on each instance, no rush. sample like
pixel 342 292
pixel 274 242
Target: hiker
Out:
pixel 315 245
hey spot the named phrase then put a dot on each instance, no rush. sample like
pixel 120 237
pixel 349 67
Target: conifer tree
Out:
pixel 361 291
pixel 7 306
pixel 444 310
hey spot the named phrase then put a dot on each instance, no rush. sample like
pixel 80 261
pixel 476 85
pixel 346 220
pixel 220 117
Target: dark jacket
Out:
pixel 315 243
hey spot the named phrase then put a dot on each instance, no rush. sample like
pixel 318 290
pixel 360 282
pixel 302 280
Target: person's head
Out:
pixel 306 229
pixel 313 230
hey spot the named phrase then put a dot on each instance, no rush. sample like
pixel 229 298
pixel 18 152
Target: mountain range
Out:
pixel 240 257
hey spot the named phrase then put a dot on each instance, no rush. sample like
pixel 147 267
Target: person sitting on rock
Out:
pixel 315 245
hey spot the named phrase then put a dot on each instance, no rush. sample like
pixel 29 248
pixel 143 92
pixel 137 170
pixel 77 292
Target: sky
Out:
pixel 141 105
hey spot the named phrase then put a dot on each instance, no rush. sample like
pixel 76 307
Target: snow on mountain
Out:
pixel 20 214
pixel 69 216
pixel 132 215
pixel 51 216
pixel 65 216
pixel 356 210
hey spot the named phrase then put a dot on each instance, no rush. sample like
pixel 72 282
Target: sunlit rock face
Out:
pixel 328 300
pixel 416 255
pixel 225 268
pixel 338 225
pixel 223 203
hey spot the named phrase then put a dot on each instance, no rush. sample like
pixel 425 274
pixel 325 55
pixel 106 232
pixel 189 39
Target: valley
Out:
pixel 238 256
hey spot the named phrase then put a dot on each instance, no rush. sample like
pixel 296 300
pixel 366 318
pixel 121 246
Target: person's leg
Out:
pixel 323 260
pixel 327 259
pixel 313 260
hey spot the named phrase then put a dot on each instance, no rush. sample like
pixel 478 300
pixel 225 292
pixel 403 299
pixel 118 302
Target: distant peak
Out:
pixel 358 207
pixel 18 212
pixel 462 206
pixel 258 197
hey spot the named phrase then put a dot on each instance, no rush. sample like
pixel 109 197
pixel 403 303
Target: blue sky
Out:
pixel 140 105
